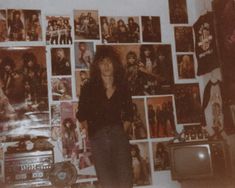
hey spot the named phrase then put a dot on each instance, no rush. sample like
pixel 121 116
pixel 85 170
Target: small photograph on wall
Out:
pixel 194 132
pixel 3 26
pixel 55 115
pixel 138 129
pixel 58 30
pixel 84 54
pixel 188 103
pixel 60 61
pixel 148 68
pixel 61 89
pixel 120 29
pixel 161 117
pixel 81 155
pixel 141 164
pixel 82 76
pixel 161 157
pixel 33 26
pixel 23 91
pixel 184 39
pixel 16 25
pixel 68 130
pixel 178 11
pixel 86 24
pixel 151 28
pixel 186 67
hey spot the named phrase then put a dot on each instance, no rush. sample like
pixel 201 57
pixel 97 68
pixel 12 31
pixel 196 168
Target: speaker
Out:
pixel 63 174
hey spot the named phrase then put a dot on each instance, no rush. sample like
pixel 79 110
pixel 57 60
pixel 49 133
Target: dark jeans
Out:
pixel 111 153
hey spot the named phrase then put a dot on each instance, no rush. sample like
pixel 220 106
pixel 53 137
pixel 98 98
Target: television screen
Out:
pixel 192 160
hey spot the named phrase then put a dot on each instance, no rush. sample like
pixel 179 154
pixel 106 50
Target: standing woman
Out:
pixel 105 108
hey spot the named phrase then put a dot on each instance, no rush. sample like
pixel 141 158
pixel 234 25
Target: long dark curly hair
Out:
pixel 102 52
pixel 143 48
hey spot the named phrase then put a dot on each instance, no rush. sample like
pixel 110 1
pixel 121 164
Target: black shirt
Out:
pixel 205 45
pixel 101 111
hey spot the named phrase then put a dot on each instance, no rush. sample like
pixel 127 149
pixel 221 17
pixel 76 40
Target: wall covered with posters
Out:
pixel 46 49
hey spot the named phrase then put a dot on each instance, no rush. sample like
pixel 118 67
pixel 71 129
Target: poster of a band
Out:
pixel 58 30
pixel 23 91
pixel 149 68
pixel 20 25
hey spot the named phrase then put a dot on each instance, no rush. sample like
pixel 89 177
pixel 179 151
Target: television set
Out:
pixel 199 160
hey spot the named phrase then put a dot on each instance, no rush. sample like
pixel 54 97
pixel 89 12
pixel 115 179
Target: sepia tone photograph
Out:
pixel 184 39
pixel 195 132
pixel 86 24
pixel 61 89
pixel 151 28
pixel 186 66
pixel 3 26
pixel 16 25
pixel 120 29
pixel 149 68
pixel 76 145
pixel 58 30
pixel 20 25
pixel 23 91
pixel 68 130
pixel 82 76
pixel 60 61
pixel 138 129
pixel 188 103
pixel 84 54
pixel 141 164
pixel 161 158
pixel 161 116
pixel 33 26
pixel 178 11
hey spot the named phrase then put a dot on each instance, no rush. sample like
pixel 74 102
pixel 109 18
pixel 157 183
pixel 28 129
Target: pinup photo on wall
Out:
pixel 23 89
pixel 151 28
pixel 149 69
pixel 61 89
pixel 82 156
pixel 161 116
pixel 23 25
pixel 86 24
pixel 184 39
pixel 161 156
pixel 188 103
pixel 3 26
pixel 138 128
pixel 60 61
pixel 16 25
pixel 186 66
pixel 120 29
pixel 84 54
pixel 82 76
pixel 58 30
pixel 141 164
pixel 178 11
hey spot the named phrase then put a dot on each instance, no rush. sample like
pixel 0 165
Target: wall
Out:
pixel 118 8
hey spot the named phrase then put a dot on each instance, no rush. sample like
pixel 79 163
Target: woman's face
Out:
pixel 147 52
pixel 131 60
pixel 106 67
